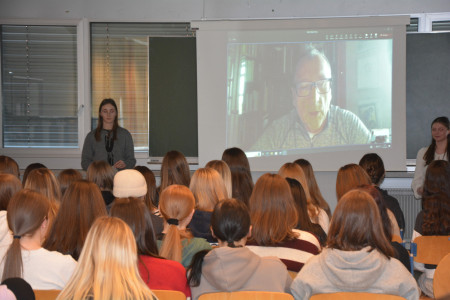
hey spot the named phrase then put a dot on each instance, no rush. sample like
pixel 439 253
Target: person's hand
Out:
pixel 120 165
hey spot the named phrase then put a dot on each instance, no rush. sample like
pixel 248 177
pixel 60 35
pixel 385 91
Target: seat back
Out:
pixel 46 294
pixel 354 296
pixel 397 238
pixel 246 295
pixel 441 280
pixel 431 249
pixel 169 295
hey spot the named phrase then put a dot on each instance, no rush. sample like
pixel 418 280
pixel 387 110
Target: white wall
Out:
pixel 187 10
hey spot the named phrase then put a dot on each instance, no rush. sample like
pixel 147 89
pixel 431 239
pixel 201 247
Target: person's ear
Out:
pixel 249 234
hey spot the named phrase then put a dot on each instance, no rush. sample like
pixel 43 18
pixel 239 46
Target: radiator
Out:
pixel 410 207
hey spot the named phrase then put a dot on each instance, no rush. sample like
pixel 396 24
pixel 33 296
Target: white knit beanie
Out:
pixel 129 183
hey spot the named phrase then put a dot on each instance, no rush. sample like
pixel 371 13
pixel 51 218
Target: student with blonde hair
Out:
pixel 224 171
pixel 157 272
pixel 349 177
pixel 81 205
pixel 358 257
pixel 107 268
pixel 274 218
pixel 315 212
pixel 313 187
pixel 28 220
pixel 208 189
pixel 9 185
pixel 177 207
pixel 43 181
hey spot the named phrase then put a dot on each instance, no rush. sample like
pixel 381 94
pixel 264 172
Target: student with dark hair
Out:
pixel 388 225
pixel 102 174
pixel 158 273
pixel 374 167
pixel 274 219
pixel 174 170
pixel 66 177
pixel 150 199
pixel 304 222
pixel 109 141
pixel 232 266
pixel 434 219
pixel 9 165
pixel 28 220
pixel 81 205
pixel 439 149
pixel 9 186
pixel 241 178
pixel 358 256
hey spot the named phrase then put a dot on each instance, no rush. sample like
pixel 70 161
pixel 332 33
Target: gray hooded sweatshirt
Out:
pixel 228 269
pixel 335 271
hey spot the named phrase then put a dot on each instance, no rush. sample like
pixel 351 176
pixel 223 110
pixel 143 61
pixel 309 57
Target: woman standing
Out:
pixel 438 150
pixel 109 141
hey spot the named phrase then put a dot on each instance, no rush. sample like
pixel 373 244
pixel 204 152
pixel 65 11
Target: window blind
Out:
pixel 39 86
pixel 119 69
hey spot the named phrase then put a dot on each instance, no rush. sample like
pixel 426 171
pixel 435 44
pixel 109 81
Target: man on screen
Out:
pixel 314 122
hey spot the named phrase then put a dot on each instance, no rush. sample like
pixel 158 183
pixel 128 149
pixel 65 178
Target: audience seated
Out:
pixel 400 252
pixel 176 243
pixel 208 189
pixel 28 220
pixel 374 166
pixel 304 222
pixel 9 186
pixel 149 198
pixel 313 187
pixel 274 218
pixel 241 178
pixel 434 219
pixel 224 171
pixel 358 256
pixel 315 212
pixel 233 267
pixel 157 272
pixel 131 183
pixel 9 165
pixel 102 174
pixel 81 205
pixel 29 168
pixel 66 177
pixel 107 268
pixel 44 181
pixel 350 177
pixel 174 170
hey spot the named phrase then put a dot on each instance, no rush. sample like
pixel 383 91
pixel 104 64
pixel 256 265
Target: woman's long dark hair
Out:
pixel 436 199
pixel 230 222
pixel 429 154
pixel 99 128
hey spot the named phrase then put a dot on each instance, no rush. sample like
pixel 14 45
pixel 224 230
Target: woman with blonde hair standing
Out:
pixel 107 268
pixel 176 243
pixel 208 189
pixel 315 212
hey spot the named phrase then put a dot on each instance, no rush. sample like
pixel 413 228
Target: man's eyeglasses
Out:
pixel 303 89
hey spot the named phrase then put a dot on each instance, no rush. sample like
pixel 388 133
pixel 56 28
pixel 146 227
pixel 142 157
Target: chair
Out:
pixel 354 296
pixel 293 274
pixel 169 295
pixel 396 238
pixel 46 294
pixel 441 286
pixel 246 295
pixel 431 249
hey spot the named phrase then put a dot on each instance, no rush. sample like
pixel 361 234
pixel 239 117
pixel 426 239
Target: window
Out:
pixel 119 70
pixel 39 86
